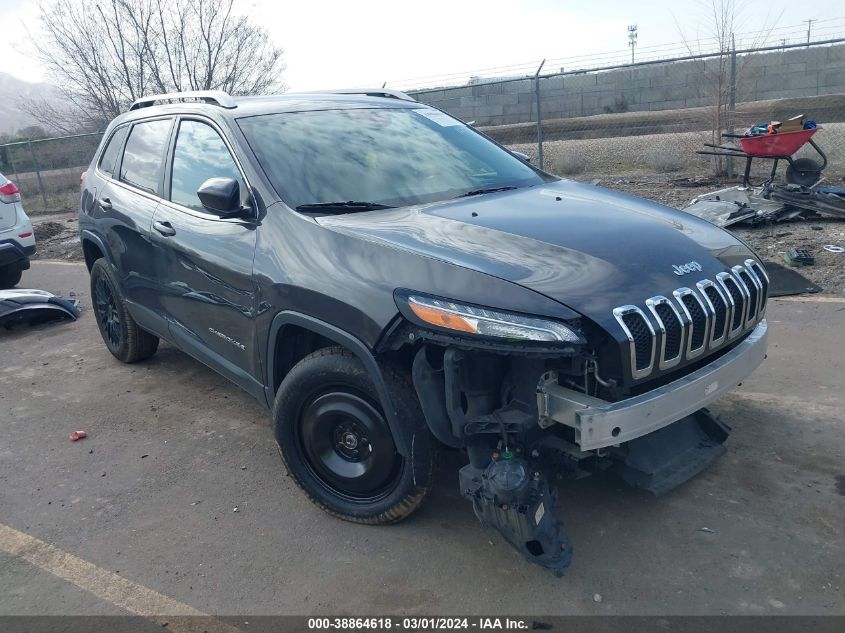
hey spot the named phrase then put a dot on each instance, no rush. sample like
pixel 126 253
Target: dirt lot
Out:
pixel 143 510
pixel 57 236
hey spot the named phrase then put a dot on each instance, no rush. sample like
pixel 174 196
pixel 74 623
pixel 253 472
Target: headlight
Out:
pixel 470 319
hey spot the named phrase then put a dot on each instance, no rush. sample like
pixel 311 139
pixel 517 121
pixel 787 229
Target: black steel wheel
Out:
pixel 108 318
pixel 123 338
pixel 338 446
pixel 347 444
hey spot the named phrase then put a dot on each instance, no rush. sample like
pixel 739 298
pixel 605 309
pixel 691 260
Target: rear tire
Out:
pixel 337 446
pixel 124 339
pixel 10 276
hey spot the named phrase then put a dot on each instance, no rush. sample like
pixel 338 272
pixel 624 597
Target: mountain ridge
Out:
pixel 12 91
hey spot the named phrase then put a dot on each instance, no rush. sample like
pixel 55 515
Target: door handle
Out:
pixel 105 204
pixel 164 228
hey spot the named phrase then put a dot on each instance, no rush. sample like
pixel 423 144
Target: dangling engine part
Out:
pixel 518 503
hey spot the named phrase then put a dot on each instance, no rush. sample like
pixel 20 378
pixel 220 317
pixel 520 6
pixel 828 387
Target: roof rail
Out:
pixel 212 97
pixel 370 92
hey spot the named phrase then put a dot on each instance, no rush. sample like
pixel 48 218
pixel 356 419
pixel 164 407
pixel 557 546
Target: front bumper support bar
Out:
pixel 599 423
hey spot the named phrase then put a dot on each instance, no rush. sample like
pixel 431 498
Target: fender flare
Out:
pixel 86 234
pixel 400 436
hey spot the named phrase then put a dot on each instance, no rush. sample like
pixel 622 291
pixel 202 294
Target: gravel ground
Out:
pixel 774 240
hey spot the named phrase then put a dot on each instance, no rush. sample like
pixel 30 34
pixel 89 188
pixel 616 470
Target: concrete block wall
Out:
pixel 800 72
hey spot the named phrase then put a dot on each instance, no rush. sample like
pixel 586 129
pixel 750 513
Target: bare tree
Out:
pixel 720 21
pixel 104 55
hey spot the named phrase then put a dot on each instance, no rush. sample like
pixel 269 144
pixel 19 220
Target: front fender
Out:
pixel 353 344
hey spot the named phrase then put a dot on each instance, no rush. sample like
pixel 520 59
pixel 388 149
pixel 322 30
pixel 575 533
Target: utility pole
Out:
pixel 632 39
pixel 539 114
pixel 809 28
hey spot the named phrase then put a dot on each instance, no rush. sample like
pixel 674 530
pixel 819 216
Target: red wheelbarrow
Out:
pixel 780 146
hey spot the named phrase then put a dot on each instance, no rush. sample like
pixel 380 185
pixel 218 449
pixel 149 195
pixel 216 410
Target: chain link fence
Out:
pixel 651 118
pixel 47 170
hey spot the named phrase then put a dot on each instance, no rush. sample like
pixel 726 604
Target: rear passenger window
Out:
pixel 200 154
pixel 112 151
pixel 144 154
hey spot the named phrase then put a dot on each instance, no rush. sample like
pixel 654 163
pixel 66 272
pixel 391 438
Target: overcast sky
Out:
pixel 355 43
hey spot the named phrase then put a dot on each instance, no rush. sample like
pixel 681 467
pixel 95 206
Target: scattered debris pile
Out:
pixel 767 204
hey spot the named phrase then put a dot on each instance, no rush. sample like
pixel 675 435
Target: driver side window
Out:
pixel 199 154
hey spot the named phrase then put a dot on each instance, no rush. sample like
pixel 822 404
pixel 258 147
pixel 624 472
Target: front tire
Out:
pixel 10 276
pixel 124 339
pixel 336 444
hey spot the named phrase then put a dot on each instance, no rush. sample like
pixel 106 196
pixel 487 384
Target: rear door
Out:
pixel 125 203
pixel 204 261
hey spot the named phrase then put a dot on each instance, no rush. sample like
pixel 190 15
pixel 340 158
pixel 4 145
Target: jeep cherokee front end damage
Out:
pixel 532 400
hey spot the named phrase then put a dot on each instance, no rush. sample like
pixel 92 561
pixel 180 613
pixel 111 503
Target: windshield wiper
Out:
pixel 479 192
pixel 350 206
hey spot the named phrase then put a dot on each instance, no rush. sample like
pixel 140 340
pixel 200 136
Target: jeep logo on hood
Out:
pixel 683 269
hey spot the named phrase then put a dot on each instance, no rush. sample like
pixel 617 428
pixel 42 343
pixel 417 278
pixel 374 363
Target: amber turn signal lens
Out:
pixel 443 319
pixel 480 321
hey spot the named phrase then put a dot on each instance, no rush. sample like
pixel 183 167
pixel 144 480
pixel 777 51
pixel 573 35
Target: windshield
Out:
pixel 378 157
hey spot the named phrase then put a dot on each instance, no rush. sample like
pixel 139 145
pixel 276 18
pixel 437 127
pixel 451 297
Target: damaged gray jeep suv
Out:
pixel 389 280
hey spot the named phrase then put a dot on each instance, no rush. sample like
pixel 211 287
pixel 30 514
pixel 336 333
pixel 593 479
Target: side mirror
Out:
pixel 522 157
pixel 221 196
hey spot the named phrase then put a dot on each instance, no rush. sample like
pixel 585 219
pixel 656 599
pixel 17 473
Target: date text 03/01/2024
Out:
pixel 417 623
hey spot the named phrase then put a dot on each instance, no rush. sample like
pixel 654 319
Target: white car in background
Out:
pixel 17 240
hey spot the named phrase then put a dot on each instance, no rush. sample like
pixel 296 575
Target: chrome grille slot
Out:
pixel 698 319
pixel 759 274
pixel 737 302
pixel 641 339
pixel 671 330
pixel 751 285
pixel 719 307
pixel 694 320
pixel 739 276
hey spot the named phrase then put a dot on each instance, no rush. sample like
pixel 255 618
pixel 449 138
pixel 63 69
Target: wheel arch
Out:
pixel 280 325
pixel 94 248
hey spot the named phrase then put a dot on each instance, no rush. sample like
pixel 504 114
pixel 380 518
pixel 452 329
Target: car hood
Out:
pixel 587 247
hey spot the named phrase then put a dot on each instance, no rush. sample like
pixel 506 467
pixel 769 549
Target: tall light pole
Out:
pixel 809 28
pixel 632 39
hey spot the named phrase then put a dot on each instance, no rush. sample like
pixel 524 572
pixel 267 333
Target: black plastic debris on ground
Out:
pixel 784 281
pixel 797 257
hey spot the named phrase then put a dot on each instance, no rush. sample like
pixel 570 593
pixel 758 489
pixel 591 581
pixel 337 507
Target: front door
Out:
pixel 204 262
